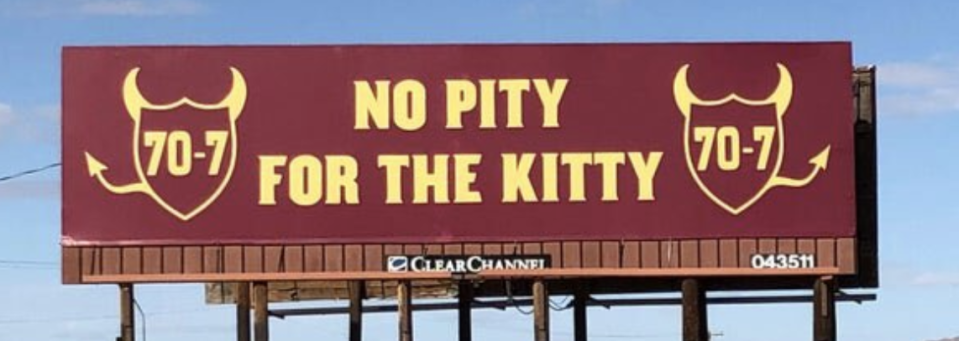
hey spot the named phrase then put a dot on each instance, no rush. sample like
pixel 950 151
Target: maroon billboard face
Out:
pixel 212 145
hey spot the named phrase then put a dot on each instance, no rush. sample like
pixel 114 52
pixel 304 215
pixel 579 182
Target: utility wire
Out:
pixel 561 306
pixel 143 319
pixel 29 171
pixel 27 264
pixel 509 299
pixel 97 318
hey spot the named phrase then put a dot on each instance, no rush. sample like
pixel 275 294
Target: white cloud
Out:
pixel 6 117
pixel 937 279
pixel 30 189
pixel 34 124
pixel 140 7
pixel 948 339
pixel 47 8
pixel 918 88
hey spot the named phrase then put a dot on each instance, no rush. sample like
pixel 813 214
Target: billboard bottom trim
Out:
pixel 498 274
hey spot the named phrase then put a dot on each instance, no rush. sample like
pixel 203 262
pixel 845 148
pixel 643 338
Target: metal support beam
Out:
pixel 824 310
pixel 261 322
pixel 867 204
pixel 126 312
pixel 593 302
pixel 465 306
pixel 580 298
pixel 404 297
pixel 695 323
pixel 243 311
pixel 540 311
pixel 356 309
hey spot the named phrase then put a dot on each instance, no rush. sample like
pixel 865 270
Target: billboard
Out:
pixel 456 143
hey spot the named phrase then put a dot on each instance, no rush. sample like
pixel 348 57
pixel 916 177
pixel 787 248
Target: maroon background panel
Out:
pixel 300 100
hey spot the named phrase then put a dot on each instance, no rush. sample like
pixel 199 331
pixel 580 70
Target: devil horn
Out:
pixel 132 98
pixel 236 99
pixel 683 95
pixel 783 94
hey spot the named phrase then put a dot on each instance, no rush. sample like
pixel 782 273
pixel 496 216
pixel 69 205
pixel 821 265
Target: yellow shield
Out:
pixel 734 146
pixel 184 166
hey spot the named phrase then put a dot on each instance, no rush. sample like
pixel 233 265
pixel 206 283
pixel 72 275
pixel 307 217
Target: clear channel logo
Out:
pixel 398 264
pixel 465 264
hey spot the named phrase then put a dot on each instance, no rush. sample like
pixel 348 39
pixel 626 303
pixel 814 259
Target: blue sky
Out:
pixel 914 45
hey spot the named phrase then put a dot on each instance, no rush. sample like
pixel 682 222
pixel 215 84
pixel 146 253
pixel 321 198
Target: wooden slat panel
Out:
pixel 132 262
pixel 492 249
pixel 233 259
pixel 649 254
pixel 333 258
pixel 611 255
pixel 433 249
pixel 572 255
pixel 392 249
pixel 313 258
pixel 89 262
pixel 213 259
pixel 373 254
pixel 293 259
pixel 591 254
pixel 689 254
pixel 729 253
pixel 413 249
pixel 806 246
pixel 513 248
pixel 555 252
pixel 172 259
pixel 110 261
pixel 273 259
pixel 787 246
pixel 70 258
pixel 747 248
pixel 193 259
pixel 669 254
pixel 709 253
pixel 453 249
pixel 767 245
pixel 152 260
pixel 826 252
pixel 253 258
pixel 354 257
pixel 631 255
pixel 473 249
pixel 846 255
pixel 532 248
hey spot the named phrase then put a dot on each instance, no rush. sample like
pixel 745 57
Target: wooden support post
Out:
pixel 243 311
pixel 404 297
pixel 261 322
pixel 580 296
pixel 465 305
pixel 540 311
pixel 357 293
pixel 695 322
pixel 126 312
pixel 824 310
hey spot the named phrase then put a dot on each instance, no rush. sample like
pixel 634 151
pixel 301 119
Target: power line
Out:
pixel 143 318
pixel 29 171
pixel 97 318
pixel 28 264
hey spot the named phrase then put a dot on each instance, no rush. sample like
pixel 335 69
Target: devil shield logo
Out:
pixel 735 146
pixel 182 166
